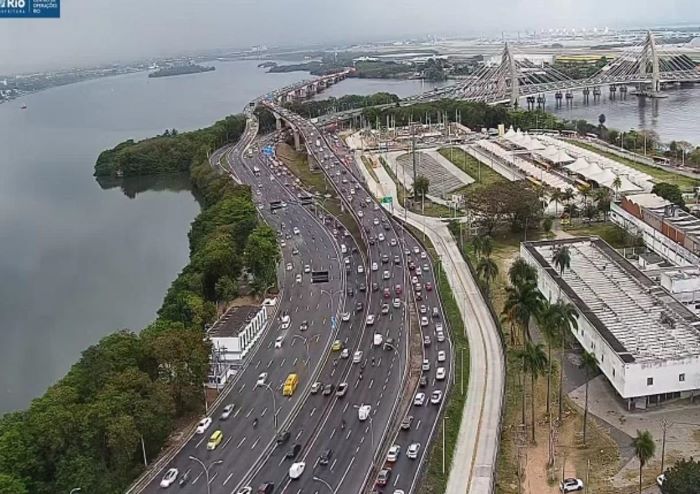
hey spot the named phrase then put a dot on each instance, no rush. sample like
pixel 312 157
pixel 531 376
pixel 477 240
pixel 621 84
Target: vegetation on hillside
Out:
pixel 314 108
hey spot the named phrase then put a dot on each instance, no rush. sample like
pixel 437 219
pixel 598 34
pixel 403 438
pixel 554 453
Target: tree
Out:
pixel 11 485
pixel 565 320
pixel 601 120
pixel 556 197
pixel 644 449
pixel 522 303
pixel 483 245
pixel 487 271
pixel 421 186
pixel 534 363
pixel 562 259
pixel 504 203
pixel 590 364
pixel 262 254
pixel 547 224
pixel 670 192
pixel 226 289
pixel 546 319
pixel 617 183
pixel 682 478
pixel 602 200
pixel 521 272
pixel 568 195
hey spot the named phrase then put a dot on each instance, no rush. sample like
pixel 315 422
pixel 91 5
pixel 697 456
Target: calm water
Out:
pixel 76 261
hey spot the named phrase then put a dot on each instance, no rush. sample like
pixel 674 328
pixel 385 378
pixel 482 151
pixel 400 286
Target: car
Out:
pixel 393 453
pixel 337 346
pixel 283 244
pixel 436 397
pixel 440 373
pixel 345 353
pixel 245 490
pixel 286 321
pixel 660 479
pixel 386 275
pixel 169 477
pixel 262 379
pixel 398 290
pixel 372 240
pixel 384 476
pixel 307 268
pixel 370 319
pixel 328 389
pixel 571 485
pixel 295 251
pixel 368 200
pixel 441 356
pixel 426 365
pixel 428 286
pixel 406 422
pixel 360 269
pixel 345 317
pixel 381 237
pixel 350 291
pixel 215 440
pixel 385 259
pixel 419 400
pixel 436 313
pixel 325 457
pixel 363 412
pixel 423 255
pixel 296 231
pixel 226 413
pixel 266 488
pixel 293 451
pixel 423 309
pixel 416 250
pixel 360 214
pixel 392 242
pixel 411 266
pixel 423 321
pixel 359 307
pixel 376 207
pixel 375 286
pixel 386 293
pixel 363 287
pixel 375 266
pixel 278 341
pixel 414 280
pixel 296 470
pixel 440 336
pixel 396 303
pixel 341 390
pixel 422 381
pixel 203 425
pixel 357 357
pixel 397 260
pixel 316 387
pixel 298 278
pixel 385 308
pixel 289 266
pixel 418 271
pixel 375 221
pixel 282 437
pixel 412 451
pixel 419 296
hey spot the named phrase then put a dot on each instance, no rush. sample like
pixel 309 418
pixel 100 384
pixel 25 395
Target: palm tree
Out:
pixel 534 362
pixel 585 191
pixel 556 197
pixel 486 246
pixel 420 186
pixel 521 272
pixel 644 448
pixel 562 259
pixel 568 195
pixel 476 244
pixel 487 271
pixel 602 199
pixel 565 318
pixel 617 183
pixel 547 323
pixel 522 302
pixel 590 364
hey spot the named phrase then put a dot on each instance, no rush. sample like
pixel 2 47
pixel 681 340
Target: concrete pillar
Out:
pixel 297 141
pixel 278 122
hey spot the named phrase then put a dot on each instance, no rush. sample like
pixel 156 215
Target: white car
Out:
pixel 363 412
pixel 393 454
pixel 289 266
pixel 424 321
pixel 360 214
pixel 423 309
pixel 262 379
pixel 423 255
pixel 392 242
pixel 436 397
pixel 278 341
pixel 440 373
pixel 298 278
pixel 440 336
pixel 296 470
pixel 660 480
pixel 370 319
pixel 412 451
pixel 296 231
pixel 426 365
pixel 441 356
pixel 381 237
pixel 169 477
pixel 571 485
pixel 203 425
pixel 226 413
pixel 345 317
pixel 418 271
pixel 375 266
pixel 396 303
pixel 416 250
pixel 375 221
pixel 419 400
pixel 360 269
pixel 307 268
pixel 345 353
pixel 385 309
pixel 386 275
pixel 357 357
pixel 283 243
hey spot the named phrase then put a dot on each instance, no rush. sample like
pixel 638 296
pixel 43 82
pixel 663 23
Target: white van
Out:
pixel 278 341
pixel 378 339
pixel 363 412
pixel 285 321
pixel 343 249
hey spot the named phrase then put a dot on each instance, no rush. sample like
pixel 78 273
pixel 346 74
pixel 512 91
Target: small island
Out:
pixel 180 70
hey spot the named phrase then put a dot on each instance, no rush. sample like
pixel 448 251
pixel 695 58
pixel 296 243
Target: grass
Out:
pixel 471 166
pixel 661 175
pixel 617 237
pixel 435 480
pixel 368 164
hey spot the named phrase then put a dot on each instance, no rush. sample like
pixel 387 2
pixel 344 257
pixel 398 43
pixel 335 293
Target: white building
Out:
pixel 232 337
pixel 646 342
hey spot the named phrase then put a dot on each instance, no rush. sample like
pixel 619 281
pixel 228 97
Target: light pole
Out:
pixel 274 405
pixel 206 470
pixel 306 343
pixel 331 294
pixel 75 489
pixel 320 480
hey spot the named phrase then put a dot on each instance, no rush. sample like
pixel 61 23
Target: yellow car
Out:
pixel 215 440
pixel 337 346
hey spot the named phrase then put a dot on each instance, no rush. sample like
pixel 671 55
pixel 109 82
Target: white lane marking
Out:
pixel 249 412
pixel 282 364
pixel 347 404
pixel 299 434
pixel 398 476
pixel 371 382
pixel 269 364
pixel 200 441
pixel 228 440
pixel 241 442
pixel 332 434
pixel 418 425
pixel 228 478
pixel 241 388
pixel 257 364
pixel 197 478
pixel 348 434
pixel 312 412
pixel 281 461
pixel 262 414
pixel 213 477
pixel 255 443
pixel 333 464
pixel 362 439
pixel 295 361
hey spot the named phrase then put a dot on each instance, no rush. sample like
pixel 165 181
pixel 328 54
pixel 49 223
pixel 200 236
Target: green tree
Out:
pixel 11 485
pixel 421 186
pixel 644 449
pixel 565 318
pixel 590 364
pixel 521 272
pixel 562 259
pixel 262 254
pixel 226 289
pixel 681 478
pixel 617 183
pixel 546 320
pixel 670 192
pixel 534 363
pixel 522 303
pixel 556 197
pixel 487 271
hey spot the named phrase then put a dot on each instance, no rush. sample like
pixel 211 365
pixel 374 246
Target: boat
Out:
pixel 23 107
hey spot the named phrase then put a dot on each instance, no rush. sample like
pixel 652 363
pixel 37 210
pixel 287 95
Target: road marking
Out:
pixel 332 434
pixel 241 388
pixel 347 404
pixel 299 434
pixel 197 478
pixel 257 364
pixel 398 476
pixel 333 464
pixel 213 477
pixel 384 387
pixel 226 442
pixel 255 443
pixel 371 382
pixel 262 414
pixel 362 439
pixel 283 360
pixel 199 442
pixel 228 478
pixel 312 412
pixel 249 412
pixel 347 436
pixel 295 361
pixel 281 461
pixel 418 424
pixel 241 442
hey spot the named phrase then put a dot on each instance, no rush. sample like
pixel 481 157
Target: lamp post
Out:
pixel 306 343
pixel 206 470
pixel 331 294
pixel 274 405
pixel 320 480
pixel 75 489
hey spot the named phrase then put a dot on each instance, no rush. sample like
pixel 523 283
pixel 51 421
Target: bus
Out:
pixel 290 385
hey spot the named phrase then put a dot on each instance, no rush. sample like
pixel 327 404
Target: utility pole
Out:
pixel 664 426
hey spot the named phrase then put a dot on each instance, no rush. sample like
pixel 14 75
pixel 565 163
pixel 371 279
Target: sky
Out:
pixel 102 31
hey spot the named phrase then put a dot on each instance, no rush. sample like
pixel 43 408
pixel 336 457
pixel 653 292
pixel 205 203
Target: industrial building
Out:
pixel 646 342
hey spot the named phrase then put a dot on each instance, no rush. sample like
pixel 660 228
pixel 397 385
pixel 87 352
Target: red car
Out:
pixel 387 293
pixel 429 286
pixel 397 289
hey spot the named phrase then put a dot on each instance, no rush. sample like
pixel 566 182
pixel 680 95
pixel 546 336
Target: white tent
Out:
pixel 548 152
pixel 510 133
pixel 605 177
pixel 579 164
pixel 593 169
pixel 534 145
pixel 626 185
pixel 560 157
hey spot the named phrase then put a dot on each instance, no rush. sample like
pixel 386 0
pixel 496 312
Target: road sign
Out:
pixel 387 200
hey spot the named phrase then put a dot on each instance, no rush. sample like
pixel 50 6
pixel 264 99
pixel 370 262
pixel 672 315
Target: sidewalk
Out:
pixel 474 462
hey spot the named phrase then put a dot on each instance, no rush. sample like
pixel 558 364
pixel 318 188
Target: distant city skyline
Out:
pixel 102 31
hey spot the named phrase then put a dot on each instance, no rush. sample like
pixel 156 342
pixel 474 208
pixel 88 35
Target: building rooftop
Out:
pixel 233 321
pixel 648 200
pixel 641 321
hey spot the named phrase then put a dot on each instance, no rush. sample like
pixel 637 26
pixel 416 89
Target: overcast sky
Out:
pixel 95 31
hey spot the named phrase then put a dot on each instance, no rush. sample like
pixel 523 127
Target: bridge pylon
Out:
pixel 511 68
pixel 649 55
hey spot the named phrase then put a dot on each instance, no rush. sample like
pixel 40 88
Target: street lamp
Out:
pixel 306 344
pixel 75 489
pixel 331 294
pixel 319 479
pixel 274 405
pixel 206 470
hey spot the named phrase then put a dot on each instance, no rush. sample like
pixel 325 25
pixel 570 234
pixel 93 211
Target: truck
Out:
pixel 256 171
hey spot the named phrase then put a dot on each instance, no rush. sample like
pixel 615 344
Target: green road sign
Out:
pixel 387 200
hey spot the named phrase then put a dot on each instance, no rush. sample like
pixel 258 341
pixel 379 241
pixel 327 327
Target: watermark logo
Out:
pixel 30 8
